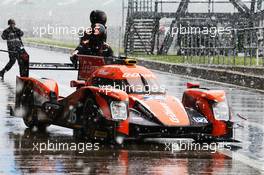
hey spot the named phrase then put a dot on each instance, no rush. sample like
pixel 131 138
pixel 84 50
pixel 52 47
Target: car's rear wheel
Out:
pixel 28 111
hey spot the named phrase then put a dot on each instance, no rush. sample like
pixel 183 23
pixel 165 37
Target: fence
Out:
pixel 239 47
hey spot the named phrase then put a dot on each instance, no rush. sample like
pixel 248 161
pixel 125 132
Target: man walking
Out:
pixel 14 44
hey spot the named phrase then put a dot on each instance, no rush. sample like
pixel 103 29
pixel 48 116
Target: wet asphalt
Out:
pixel 153 156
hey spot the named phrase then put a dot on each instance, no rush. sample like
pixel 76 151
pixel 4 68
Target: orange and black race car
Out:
pixel 116 98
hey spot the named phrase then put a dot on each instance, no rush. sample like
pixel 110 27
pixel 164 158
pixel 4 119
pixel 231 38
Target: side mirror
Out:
pixel 77 84
pixel 191 85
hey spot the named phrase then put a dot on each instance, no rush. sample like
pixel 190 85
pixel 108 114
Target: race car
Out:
pixel 116 98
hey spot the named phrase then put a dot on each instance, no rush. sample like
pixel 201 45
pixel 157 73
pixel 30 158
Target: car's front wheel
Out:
pixel 89 114
pixel 95 127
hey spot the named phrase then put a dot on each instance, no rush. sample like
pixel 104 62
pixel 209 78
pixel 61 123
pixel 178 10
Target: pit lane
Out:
pixel 16 142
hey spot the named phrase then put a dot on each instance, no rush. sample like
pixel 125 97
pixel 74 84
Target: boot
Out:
pixel 2 73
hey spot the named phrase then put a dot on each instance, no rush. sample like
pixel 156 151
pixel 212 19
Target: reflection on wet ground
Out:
pixel 245 102
pixel 17 154
pixel 132 158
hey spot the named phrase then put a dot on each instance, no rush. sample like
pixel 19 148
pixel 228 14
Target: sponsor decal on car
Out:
pixel 169 113
pixel 152 97
pixel 200 120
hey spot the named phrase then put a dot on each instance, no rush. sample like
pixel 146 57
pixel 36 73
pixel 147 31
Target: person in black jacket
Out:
pixel 13 36
pixel 94 42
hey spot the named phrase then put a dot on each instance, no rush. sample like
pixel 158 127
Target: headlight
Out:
pixel 118 110
pixel 221 111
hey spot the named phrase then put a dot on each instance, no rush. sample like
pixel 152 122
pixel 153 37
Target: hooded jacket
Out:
pixel 13 37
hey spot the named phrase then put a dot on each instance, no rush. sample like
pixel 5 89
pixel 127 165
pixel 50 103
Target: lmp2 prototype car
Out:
pixel 115 97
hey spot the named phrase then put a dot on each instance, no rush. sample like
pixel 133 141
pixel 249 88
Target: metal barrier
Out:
pixel 237 46
pixel 241 47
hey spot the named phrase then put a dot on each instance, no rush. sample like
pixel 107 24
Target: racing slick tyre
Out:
pixel 28 110
pixel 89 113
pixel 91 129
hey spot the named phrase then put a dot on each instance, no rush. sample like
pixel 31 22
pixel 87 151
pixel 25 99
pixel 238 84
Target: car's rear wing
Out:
pixel 87 64
pixel 83 59
pixel 50 66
